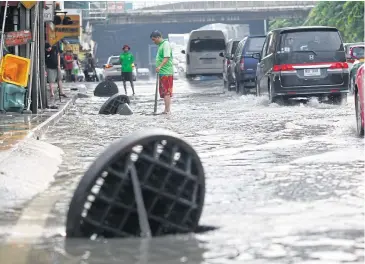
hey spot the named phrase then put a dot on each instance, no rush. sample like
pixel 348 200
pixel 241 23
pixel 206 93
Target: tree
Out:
pixel 347 16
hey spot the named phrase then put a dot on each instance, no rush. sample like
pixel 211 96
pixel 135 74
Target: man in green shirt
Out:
pixel 126 60
pixel 164 68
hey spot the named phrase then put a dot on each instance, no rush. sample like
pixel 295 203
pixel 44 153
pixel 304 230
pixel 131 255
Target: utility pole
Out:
pixel 34 60
pixel 43 84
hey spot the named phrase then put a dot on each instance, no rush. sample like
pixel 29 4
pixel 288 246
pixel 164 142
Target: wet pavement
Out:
pixel 14 127
pixel 284 183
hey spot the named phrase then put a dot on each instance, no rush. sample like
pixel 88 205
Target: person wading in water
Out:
pixel 164 68
pixel 126 60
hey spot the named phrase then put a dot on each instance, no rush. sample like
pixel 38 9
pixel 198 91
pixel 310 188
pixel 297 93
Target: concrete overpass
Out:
pixel 135 26
pixel 230 12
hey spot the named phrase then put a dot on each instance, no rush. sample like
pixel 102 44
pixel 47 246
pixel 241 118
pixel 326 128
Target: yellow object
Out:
pixel 28 4
pixel 15 70
pixel 132 65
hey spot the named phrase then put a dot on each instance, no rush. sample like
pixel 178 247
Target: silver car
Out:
pixel 112 69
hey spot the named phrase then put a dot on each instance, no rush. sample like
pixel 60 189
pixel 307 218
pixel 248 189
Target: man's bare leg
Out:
pixel 51 89
pixel 167 100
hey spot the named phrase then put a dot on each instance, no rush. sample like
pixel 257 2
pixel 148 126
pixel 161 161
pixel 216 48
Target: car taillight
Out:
pixel 351 60
pixel 187 59
pixel 283 67
pixel 339 65
pixel 242 64
pixel 108 66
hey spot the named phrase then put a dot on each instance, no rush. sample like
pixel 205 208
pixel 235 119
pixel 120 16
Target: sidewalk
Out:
pixel 15 127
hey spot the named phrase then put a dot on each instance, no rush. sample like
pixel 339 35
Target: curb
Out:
pixel 41 129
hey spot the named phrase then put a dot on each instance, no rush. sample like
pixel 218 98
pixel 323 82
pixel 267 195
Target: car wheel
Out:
pixel 226 85
pixel 337 99
pixel 359 124
pixel 352 84
pixel 274 98
pixel 237 85
pixel 257 89
pixel 243 90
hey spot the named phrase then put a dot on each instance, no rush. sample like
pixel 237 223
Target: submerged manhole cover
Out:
pixel 170 180
pixel 117 104
pixel 106 89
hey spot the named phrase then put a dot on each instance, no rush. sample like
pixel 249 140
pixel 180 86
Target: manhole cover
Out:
pixel 171 183
pixel 106 89
pixel 114 104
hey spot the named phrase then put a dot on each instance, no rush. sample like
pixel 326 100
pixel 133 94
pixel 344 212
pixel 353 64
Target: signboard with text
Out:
pixel 16 38
pixel 61 31
pixel 74 47
pixel 115 7
pixel 48 11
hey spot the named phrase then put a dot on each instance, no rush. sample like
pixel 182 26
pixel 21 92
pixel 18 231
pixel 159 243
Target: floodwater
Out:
pixel 284 183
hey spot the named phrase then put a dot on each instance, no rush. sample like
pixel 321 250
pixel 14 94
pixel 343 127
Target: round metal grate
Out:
pixel 152 176
pixel 106 89
pixel 113 105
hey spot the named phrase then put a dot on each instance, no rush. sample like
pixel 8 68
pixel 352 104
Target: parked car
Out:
pixel 353 73
pixel 113 69
pixel 303 62
pixel 227 56
pixel 143 74
pixel 244 65
pixel 202 53
pixel 354 51
pixel 359 100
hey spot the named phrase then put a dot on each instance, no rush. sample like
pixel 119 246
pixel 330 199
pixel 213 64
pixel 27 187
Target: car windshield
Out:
pixel 114 61
pixel 199 45
pixel 358 52
pixel 311 41
pixel 255 44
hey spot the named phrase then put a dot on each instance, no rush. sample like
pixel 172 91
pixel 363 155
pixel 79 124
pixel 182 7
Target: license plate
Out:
pixel 207 61
pixel 312 72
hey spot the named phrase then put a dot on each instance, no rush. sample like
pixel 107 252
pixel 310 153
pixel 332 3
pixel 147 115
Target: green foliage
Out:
pixel 347 16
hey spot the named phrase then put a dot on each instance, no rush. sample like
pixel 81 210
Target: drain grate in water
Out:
pixel 165 197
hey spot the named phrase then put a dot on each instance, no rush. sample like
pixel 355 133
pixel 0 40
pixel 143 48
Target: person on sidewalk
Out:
pixel 75 69
pixel 68 65
pixel 126 60
pixel 53 68
pixel 164 68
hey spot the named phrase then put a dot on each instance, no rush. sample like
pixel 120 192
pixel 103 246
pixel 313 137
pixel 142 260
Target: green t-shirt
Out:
pixel 165 51
pixel 126 59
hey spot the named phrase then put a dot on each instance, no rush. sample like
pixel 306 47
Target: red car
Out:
pixel 359 101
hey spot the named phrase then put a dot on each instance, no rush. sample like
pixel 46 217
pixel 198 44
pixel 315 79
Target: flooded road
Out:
pixel 284 183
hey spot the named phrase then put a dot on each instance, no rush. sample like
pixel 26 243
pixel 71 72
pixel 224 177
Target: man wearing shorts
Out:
pixel 164 68
pixel 126 60
pixel 53 68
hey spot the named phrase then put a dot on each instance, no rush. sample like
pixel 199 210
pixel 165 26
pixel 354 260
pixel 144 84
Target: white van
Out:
pixel 202 53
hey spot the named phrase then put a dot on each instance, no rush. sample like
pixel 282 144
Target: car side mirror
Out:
pixel 183 51
pixel 256 56
pixel 221 54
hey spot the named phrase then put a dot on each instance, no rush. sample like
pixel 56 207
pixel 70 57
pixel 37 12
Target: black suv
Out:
pixel 244 65
pixel 227 62
pixel 303 61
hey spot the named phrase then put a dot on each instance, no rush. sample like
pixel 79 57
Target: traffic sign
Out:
pixel 28 4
